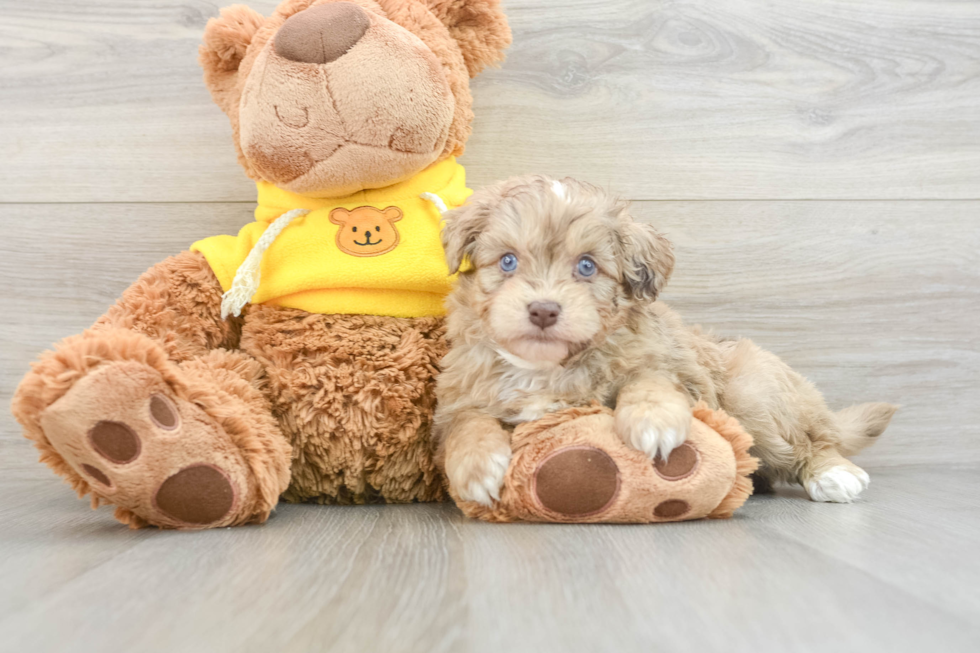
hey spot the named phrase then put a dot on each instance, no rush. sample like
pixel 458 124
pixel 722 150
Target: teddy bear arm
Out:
pixel 171 314
pixel 571 466
pixel 177 303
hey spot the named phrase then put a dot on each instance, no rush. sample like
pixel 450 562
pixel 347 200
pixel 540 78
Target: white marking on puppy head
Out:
pixel 559 189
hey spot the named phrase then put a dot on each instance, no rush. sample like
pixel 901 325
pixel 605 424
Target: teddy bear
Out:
pixel 295 359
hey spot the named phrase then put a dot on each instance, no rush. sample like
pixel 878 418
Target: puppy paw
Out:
pixel 478 475
pixel 838 484
pixel 653 429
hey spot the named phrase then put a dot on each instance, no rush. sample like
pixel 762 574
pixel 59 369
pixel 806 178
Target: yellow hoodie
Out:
pixel 376 252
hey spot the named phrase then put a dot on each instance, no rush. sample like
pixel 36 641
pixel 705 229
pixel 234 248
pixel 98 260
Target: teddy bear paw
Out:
pixel 140 447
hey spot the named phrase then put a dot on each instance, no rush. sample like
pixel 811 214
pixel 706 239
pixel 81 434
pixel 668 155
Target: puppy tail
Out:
pixel 860 425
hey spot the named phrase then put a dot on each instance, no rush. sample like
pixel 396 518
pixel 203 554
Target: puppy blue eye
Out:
pixel 586 266
pixel 508 262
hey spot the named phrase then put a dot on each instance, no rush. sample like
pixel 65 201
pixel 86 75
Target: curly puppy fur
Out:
pixel 536 242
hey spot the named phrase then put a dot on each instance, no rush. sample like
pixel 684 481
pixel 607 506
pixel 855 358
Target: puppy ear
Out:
pixel 648 260
pixel 460 229
pixel 226 39
pixel 478 26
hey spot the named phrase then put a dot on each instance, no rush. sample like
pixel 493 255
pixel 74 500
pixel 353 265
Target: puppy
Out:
pixel 556 307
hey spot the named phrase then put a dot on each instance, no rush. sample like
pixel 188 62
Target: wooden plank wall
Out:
pixel 816 162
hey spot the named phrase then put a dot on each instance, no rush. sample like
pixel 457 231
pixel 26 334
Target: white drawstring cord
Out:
pixel 249 273
pixel 435 199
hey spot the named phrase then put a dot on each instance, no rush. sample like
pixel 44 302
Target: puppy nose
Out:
pixel 323 33
pixel 544 314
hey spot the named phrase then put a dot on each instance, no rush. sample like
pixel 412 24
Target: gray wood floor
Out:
pixel 895 572
pixel 817 164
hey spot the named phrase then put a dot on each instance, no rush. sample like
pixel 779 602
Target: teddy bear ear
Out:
pixel 339 216
pixel 226 39
pixel 393 214
pixel 479 27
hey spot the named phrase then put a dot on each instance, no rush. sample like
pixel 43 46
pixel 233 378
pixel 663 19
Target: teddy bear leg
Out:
pixel 144 411
pixel 190 445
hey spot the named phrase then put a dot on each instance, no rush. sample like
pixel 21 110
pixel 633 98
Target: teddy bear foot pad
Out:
pixel 572 467
pixel 147 451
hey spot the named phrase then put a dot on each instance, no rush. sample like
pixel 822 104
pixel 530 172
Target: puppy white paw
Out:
pixel 838 484
pixel 478 475
pixel 653 429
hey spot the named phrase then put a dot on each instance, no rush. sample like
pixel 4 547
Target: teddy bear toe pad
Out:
pixel 115 441
pixel 681 463
pixel 143 449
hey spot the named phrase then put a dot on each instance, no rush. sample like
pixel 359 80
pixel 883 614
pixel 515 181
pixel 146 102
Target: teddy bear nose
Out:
pixel 543 314
pixel 323 33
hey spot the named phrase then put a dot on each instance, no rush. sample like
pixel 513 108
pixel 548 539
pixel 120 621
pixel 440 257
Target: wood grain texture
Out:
pixel 873 301
pixel 114 157
pixel 893 572
pixel 660 99
pixel 742 99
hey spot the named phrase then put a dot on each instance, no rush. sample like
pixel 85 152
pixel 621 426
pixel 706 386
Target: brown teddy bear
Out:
pixel 295 359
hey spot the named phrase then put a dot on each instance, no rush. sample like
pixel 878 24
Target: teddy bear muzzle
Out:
pixel 322 34
pixel 343 98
